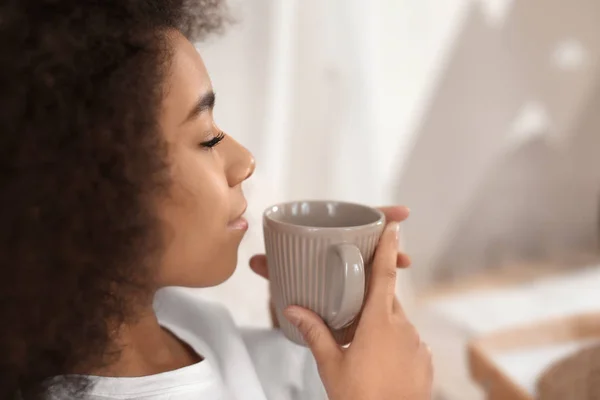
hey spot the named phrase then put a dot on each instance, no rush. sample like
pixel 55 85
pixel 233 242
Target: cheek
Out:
pixel 211 204
pixel 205 187
pixel 196 220
pixel 201 194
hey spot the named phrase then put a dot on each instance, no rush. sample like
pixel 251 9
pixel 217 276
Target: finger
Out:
pixel 258 264
pixel 395 213
pixel 403 260
pixel 383 274
pixel 427 356
pixel 398 214
pixel 317 336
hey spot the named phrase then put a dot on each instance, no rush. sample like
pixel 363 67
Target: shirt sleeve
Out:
pixel 286 371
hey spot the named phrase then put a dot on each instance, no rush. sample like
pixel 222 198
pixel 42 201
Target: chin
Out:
pixel 219 272
pixel 225 273
pixel 202 272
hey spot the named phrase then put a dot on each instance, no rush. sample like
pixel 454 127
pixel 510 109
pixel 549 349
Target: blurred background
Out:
pixel 482 116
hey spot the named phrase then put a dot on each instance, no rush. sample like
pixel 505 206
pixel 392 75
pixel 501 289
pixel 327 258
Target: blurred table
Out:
pixel 507 364
pixel 450 318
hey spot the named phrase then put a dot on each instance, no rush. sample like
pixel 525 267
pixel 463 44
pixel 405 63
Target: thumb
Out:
pixel 317 336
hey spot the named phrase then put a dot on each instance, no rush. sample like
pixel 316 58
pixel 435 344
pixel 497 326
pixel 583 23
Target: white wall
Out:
pixel 504 85
pixel 326 95
pixel 410 101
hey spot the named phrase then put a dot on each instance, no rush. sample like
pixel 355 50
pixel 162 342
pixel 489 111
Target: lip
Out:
pixel 239 222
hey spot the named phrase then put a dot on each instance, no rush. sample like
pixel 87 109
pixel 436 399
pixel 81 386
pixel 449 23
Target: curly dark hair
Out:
pixel 81 163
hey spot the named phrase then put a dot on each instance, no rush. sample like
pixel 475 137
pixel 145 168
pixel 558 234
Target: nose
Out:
pixel 240 163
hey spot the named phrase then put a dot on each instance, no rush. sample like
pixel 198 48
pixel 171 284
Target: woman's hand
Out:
pixel 386 360
pixel 258 263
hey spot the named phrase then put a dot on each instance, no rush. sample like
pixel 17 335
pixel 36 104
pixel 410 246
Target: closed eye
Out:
pixel 209 144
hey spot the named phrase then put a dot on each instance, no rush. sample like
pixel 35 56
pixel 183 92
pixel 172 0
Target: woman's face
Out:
pixel 202 212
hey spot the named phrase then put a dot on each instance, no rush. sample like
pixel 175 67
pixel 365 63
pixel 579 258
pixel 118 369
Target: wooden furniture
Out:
pixel 455 317
pixel 483 351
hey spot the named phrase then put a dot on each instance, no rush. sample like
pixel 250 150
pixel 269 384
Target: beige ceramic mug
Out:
pixel 319 255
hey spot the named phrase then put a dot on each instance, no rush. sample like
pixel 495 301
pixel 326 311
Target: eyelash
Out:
pixel 209 144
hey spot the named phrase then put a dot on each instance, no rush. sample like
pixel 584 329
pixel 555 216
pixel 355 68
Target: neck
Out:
pixel 146 348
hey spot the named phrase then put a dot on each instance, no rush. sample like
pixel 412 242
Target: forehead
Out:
pixel 186 80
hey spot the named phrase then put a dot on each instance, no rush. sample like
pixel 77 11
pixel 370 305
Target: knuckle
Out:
pixel 390 273
pixel 426 350
pixel 387 274
pixel 426 354
pixel 430 369
pixel 412 334
pixel 415 337
pixel 312 333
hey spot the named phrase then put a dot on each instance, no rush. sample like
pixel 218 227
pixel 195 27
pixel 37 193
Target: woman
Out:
pixel 117 183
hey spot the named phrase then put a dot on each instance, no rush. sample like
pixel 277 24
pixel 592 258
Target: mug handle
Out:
pixel 349 271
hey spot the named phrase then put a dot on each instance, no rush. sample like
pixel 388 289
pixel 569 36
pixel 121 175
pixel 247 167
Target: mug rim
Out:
pixel 269 211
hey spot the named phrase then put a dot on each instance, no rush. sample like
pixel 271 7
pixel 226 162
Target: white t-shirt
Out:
pixel 237 365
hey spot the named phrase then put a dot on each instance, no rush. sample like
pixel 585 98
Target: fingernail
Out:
pixel 292 315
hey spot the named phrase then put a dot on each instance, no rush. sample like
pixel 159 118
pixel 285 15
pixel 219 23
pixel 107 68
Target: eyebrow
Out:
pixel 205 102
